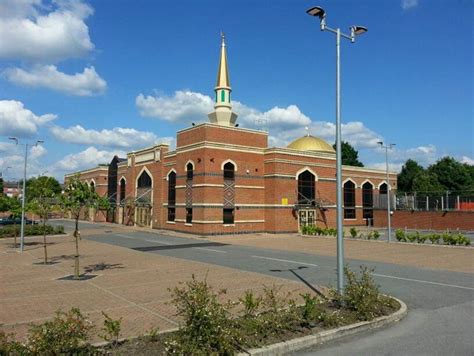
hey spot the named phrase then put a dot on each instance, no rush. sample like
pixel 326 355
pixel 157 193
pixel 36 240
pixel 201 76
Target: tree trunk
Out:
pixel 76 257
pixel 44 242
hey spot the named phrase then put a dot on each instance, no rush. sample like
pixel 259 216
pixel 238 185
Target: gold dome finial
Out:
pixel 223 38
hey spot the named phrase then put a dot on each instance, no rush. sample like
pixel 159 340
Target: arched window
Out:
pixel 383 189
pixel 144 181
pixel 229 193
pixel 122 190
pixel 189 171
pixel 189 192
pixel 171 196
pixel 306 188
pixel 368 200
pixel 349 200
pixel 229 171
pixel 92 186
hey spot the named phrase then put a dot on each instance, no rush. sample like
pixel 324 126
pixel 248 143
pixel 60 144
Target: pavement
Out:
pixel 436 282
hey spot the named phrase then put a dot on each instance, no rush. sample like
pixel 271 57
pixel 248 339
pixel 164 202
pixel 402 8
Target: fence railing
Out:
pixel 435 201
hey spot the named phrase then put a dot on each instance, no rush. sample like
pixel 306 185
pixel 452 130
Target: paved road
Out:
pixel 441 303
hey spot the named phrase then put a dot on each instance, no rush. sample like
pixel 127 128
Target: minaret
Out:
pixel 223 114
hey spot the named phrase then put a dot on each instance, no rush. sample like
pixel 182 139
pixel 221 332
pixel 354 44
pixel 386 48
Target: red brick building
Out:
pixel 225 179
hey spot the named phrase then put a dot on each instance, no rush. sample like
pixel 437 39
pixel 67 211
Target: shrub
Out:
pixel 353 231
pixel 310 312
pixel 448 239
pixel 362 295
pixel 8 345
pixel 207 328
pixel 421 238
pixel 434 238
pixel 463 240
pixel 250 303
pixel 400 235
pixel 67 333
pixel 412 237
pixel 111 329
pixel 375 234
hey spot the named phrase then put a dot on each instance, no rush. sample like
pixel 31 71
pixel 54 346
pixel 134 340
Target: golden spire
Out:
pixel 223 72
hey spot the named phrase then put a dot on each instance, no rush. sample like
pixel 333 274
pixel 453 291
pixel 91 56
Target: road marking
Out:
pixel 287 261
pixel 159 242
pixel 209 249
pixel 422 281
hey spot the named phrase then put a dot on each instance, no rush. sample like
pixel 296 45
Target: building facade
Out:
pixel 225 179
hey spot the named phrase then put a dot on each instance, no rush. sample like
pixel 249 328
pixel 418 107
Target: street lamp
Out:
pixel 389 215
pixel 318 11
pixel 23 195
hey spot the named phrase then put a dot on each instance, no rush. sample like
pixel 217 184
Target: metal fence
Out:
pixel 435 201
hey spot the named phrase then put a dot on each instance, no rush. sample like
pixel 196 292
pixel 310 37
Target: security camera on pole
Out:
pixel 317 11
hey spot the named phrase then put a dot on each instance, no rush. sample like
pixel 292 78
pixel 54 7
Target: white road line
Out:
pixel 158 242
pixel 287 261
pixel 423 281
pixel 209 249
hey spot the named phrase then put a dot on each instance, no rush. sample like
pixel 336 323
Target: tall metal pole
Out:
pixel 389 217
pixel 340 232
pixel 23 195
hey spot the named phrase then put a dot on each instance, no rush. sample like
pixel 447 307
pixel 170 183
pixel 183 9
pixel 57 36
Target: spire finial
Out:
pixel 307 130
pixel 223 38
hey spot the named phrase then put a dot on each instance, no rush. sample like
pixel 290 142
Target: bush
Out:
pixel 31 230
pixel 310 312
pixel 463 240
pixel 207 327
pixel 362 295
pixel 8 345
pixel 353 231
pixel 400 235
pixel 448 239
pixel 376 234
pixel 67 333
pixel 111 329
pixel 412 237
pixel 434 238
pixel 421 238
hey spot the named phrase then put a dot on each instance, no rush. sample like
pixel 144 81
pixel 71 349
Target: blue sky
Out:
pixel 94 78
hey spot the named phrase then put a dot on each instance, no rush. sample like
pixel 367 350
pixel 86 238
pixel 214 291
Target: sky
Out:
pixel 98 78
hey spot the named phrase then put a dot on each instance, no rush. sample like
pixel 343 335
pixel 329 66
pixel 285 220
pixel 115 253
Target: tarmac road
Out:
pixel 440 303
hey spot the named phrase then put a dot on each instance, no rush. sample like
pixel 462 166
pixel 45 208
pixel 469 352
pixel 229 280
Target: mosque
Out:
pixel 224 179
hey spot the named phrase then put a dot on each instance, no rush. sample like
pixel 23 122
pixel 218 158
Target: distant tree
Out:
pixel 427 182
pixel 43 201
pixel 36 186
pixel 13 206
pixel 1 186
pixel 408 173
pixel 350 156
pixel 77 197
pixel 451 174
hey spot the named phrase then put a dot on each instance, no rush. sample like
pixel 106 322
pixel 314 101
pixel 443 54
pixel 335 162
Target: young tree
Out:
pixel 77 197
pixel 35 186
pixel 13 206
pixel 43 202
pixel 350 156
pixel 407 175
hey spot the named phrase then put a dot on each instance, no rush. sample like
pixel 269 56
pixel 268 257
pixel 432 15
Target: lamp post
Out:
pixel 389 216
pixel 23 195
pixel 355 30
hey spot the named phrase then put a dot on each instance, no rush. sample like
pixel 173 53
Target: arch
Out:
pixel 122 188
pixel 189 168
pixel 367 181
pixel 229 171
pixel 367 199
pixel 188 162
pixel 349 180
pixel 306 187
pixel 229 161
pixel 307 169
pixel 171 177
pixel 172 170
pixel 349 187
pixel 147 171
pixel 382 183
pixel 92 185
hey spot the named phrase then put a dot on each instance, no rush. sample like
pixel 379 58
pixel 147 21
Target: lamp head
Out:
pixel 318 11
pixel 380 143
pixel 14 139
pixel 356 31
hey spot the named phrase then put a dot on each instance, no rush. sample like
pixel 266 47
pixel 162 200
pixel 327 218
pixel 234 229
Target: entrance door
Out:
pixel 306 218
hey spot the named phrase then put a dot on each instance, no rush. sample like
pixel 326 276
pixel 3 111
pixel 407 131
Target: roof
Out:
pixel 311 143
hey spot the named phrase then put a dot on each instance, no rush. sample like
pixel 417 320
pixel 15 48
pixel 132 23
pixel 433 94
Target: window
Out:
pixel 93 186
pixel 144 181
pixel 189 171
pixel 306 188
pixel 171 196
pixel 189 215
pixel 383 188
pixel 122 189
pixel 349 200
pixel 229 216
pixel 229 171
pixel 367 200
pixel 222 95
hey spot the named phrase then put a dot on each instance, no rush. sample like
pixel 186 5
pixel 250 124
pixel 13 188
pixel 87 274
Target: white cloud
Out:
pixel 467 160
pixel 424 155
pixel 16 120
pixel 408 4
pixel 37 151
pixel 88 158
pixel 86 83
pixel 117 137
pixel 33 30
pixel 182 106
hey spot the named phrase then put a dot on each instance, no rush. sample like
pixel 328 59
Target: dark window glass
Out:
pixel 349 200
pixel 93 186
pixel 306 188
pixel 144 181
pixel 189 215
pixel 171 214
pixel 189 171
pixel 229 171
pixel 367 200
pixel 122 189
pixel 229 216
pixel 383 189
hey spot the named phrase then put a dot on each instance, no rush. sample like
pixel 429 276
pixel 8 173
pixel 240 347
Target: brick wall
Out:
pixel 435 220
